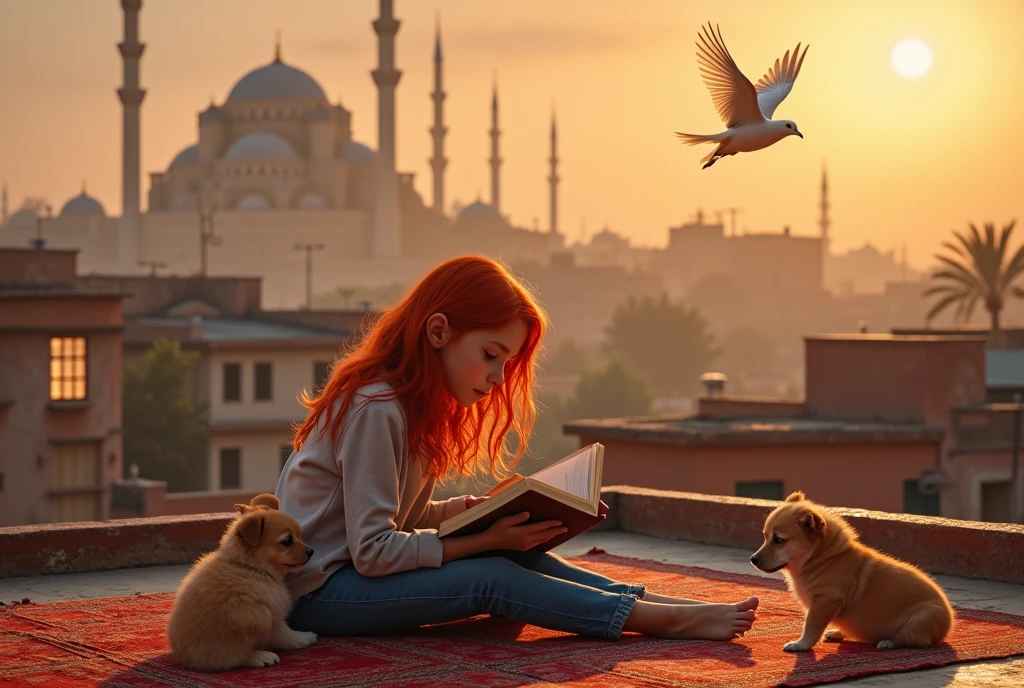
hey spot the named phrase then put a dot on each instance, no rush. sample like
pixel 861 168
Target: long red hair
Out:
pixel 474 293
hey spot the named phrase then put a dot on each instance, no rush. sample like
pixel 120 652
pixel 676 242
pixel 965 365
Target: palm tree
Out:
pixel 976 270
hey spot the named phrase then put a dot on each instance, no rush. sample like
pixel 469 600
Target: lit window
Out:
pixel 67 368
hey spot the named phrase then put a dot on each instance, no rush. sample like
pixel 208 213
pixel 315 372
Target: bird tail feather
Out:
pixel 694 139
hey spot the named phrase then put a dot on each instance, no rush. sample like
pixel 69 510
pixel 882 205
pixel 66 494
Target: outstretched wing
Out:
pixel 774 86
pixel 732 93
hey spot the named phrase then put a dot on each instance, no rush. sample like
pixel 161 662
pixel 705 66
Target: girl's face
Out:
pixel 474 363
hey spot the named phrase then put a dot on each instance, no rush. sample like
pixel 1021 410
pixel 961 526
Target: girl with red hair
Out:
pixel 432 391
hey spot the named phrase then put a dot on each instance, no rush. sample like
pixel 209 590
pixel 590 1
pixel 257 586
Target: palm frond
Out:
pixel 941 306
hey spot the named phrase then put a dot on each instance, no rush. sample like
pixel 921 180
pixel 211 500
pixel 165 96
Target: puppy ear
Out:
pixel 797 496
pixel 250 529
pixel 243 508
pixel 812 522
pixel 266 500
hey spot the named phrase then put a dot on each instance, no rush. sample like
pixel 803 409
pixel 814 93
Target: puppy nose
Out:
pixel 309 551
pixel 755 560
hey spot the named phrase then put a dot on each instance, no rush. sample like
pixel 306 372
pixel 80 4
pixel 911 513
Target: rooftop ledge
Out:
pixel 969 549
pixel 767 429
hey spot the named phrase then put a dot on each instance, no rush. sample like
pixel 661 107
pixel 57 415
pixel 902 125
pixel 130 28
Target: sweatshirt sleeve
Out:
pixel 372 448
pixel 438 511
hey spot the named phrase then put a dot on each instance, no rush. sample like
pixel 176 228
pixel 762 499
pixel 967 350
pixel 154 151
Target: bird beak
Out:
pixel 799 134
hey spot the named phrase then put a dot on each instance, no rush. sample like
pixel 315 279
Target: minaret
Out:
pixel 553 177
pixel 495 159
pixel 386 232
pixel 824 222
pixel 131 102
pixel 438 131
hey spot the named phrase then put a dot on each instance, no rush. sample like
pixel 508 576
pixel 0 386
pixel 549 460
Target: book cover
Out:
pixel 580 471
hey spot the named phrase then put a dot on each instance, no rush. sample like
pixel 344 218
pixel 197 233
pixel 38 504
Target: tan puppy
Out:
pixel 231 607
pixel 868 596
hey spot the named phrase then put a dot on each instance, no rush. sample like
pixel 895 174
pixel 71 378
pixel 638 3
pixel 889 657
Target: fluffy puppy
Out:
pixel 230 609
pixel 865 595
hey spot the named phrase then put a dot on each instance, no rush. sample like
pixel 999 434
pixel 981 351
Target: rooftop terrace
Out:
pixel 980 565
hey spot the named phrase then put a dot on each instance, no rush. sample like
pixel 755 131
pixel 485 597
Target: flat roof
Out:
pixel 243 329
pixel 18 291
pixel 702 431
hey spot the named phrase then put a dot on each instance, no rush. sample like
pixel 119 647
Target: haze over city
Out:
pixel 908 159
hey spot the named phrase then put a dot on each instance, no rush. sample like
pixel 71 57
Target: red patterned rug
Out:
pixel 119 641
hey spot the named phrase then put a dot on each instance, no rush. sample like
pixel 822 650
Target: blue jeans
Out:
pixel 537 588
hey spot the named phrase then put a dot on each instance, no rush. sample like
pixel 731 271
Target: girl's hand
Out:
pixel 512 532
pixel 472 501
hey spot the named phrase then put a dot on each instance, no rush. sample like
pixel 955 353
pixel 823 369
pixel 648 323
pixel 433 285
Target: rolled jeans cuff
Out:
pixel 637 590
pixel 626 603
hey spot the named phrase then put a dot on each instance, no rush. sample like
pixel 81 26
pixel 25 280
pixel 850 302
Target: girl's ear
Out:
pixel 438 332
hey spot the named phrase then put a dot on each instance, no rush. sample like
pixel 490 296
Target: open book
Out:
pixel 568 490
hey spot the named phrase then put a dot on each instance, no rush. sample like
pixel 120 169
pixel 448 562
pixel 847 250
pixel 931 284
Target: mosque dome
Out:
pixel 352 151
pixel 260 145
pixel 276 81
pixel 83 204
pixel 23 218
pixel 479 210
pixel 187 156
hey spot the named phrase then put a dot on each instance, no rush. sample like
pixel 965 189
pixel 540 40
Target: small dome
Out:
pixel 479 210
pixel 276 81
pixel 253 201
pixel 83 204
pixel 260 145
pixel 187 156
pixel 352 151
pixel 311 201
pixel 26 217
pixel 211 114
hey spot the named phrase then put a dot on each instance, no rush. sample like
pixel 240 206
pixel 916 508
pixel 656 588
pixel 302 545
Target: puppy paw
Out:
pixel 304 639
pixel 261 658
pixel 833 635
pixel 886 645
pixel 796 646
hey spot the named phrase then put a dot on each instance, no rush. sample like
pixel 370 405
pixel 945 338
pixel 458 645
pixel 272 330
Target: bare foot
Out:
pixel 696 621
pixel 748 604
pixel 716 621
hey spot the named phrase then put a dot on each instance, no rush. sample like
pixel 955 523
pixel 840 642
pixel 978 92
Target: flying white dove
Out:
pixel 745 110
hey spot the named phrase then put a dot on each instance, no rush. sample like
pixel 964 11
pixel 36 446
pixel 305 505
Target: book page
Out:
pixel 570 475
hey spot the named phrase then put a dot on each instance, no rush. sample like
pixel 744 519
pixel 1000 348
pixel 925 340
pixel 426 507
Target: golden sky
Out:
pixel 907 160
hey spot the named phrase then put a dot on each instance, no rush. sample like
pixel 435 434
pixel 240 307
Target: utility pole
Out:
pixel 153 266
pixel 309 248
pixel 207 238
pixel 732 218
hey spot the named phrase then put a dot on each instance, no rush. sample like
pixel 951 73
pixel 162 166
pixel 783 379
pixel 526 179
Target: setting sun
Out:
pixel 911 58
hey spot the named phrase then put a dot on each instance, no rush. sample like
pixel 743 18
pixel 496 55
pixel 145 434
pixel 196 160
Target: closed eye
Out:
pixel 777 540
pixel 287 542
pixel 489 356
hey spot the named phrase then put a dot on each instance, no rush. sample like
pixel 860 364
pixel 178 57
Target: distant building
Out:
pixel 60 390
pixel 253 363
pixel 889 422
pixel 273 165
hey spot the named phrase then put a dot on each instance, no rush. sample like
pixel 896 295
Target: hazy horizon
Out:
pixel 907 160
